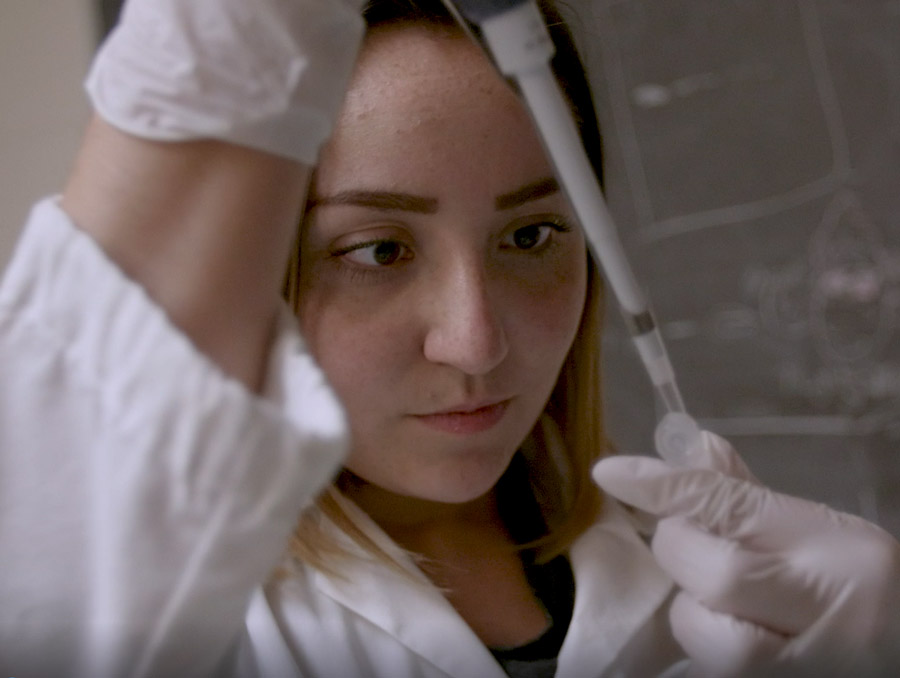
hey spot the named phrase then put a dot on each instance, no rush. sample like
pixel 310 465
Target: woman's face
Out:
pixel 442 276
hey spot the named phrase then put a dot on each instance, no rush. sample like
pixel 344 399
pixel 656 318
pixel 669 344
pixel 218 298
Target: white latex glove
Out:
pixel 770 584
pixel 269 74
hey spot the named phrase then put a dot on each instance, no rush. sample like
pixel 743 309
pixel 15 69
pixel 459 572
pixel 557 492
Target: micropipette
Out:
pixel 515 34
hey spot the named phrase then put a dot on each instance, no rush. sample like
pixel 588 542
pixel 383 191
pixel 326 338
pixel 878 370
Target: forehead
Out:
pixel 425 101
pixel 409 57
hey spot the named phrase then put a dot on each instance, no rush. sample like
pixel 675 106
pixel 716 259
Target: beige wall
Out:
pixel 45 48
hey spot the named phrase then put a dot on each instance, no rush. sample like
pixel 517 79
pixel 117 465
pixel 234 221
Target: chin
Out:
pixel 463 482
pixel 452 471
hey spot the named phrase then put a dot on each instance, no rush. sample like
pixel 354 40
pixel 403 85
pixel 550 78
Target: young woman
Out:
pixel 168 443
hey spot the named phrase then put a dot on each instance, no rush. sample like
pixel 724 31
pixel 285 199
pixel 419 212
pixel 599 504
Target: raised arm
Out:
pixel 203 226
pixel 161 424
pixel 192 176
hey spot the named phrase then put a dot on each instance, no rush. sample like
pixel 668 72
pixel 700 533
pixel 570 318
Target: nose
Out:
pixel 465 324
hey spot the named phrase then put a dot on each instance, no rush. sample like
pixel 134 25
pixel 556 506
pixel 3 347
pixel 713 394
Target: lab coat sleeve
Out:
pixel 144 495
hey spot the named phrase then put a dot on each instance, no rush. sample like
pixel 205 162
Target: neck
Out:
pixel 466 551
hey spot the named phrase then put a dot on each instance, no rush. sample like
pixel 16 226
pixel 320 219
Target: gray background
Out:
pixel 45 46
pixel 753 165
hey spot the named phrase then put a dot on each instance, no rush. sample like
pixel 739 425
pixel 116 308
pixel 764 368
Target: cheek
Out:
pixel 567 308
pixel 548 313
pixel 560 293
pixel 357 350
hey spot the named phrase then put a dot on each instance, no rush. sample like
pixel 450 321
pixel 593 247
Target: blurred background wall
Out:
pixel 753 166
pixel 45 47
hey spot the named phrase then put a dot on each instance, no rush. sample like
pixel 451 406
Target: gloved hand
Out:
pixel 770 584
pixel 268 74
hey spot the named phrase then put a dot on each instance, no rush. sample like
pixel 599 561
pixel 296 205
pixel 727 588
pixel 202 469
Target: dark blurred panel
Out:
pixel 753 159
pixel 109 14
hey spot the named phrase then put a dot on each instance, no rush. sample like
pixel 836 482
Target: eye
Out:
pixel 529 237
pixel 376 253
pixel 534 236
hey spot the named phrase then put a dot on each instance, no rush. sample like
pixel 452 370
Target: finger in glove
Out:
pixel 721 646
pixel 728 578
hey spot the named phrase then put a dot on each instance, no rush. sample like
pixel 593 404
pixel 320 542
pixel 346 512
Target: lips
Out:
pixel 465 420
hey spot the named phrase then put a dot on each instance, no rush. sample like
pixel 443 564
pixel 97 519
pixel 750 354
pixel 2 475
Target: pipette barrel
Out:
pixel 521 46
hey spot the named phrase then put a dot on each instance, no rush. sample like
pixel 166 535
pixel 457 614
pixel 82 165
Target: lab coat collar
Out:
pixel 619 587
pixel 405 604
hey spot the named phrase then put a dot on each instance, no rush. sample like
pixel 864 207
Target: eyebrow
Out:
pixel 532 191
pixel 405 202
pixel 380 200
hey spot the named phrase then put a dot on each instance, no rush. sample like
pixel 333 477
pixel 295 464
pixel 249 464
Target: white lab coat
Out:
pixel 380 622
pixel 145 497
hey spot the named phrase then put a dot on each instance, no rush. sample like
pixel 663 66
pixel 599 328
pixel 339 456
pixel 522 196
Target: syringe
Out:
pixel 516 36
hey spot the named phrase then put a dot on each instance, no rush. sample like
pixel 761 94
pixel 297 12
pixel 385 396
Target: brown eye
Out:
pixel 530 236
pixel 533 234
pixel 378 253
pixel 387 252
pixel 533 237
